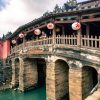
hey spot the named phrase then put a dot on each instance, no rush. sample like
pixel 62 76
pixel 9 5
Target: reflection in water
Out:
pixel 38 94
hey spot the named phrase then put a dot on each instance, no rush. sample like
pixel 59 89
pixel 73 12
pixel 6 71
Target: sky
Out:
pixel 14 13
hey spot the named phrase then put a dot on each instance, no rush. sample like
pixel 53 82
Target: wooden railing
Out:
pixel 66 40
pixel 87 41
pixel 90 41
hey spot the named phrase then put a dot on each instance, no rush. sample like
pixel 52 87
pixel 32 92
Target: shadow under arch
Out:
pixel 41 69
pixel 62 79
pixel 89 80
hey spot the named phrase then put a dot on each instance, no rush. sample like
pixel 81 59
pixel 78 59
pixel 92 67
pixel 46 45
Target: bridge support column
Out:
pixel 50 82
pixel 75 83
pixel 57 85
pixel 13 82
pixel 28 75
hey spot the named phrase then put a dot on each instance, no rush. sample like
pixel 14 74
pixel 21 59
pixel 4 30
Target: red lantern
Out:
pixel 50 25
pixel 13 41
pixel 76 26
pixel 37 32
pixel 21 35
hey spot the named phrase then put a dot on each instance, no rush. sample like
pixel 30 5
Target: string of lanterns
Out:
pixel 21 35
pixel 75 26
pixel 49 26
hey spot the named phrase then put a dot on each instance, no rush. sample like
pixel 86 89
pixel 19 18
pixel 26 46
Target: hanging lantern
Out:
pixel 13 41
pixel 37 32
pixel 50 25
pixel 21 35
pixel 58 30
pixel 76 26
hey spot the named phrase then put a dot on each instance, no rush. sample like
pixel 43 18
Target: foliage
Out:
pixel 70 4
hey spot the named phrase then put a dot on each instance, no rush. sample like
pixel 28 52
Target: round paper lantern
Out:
pixel 37 32
pixel 13 41
pixel 76 26
pixel 21 35
pixel 50 25
pixel 58 30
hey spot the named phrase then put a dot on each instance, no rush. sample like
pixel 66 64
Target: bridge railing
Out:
pixel 33 44
pixel 87 41
pixel 90 42
pixel 39 42
pixel 66 40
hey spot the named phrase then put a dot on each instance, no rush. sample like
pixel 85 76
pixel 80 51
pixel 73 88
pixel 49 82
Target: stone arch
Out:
pixel 89 80
pixel 17 68
pixel 41 70
pixel 61 79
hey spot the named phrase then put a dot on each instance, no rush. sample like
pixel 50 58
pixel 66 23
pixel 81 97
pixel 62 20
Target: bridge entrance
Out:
pixel 89 80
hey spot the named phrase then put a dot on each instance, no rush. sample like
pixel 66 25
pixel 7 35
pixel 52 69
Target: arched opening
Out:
pixel 89 80
pixel 17 72
pixel 41 68
pixel 62 80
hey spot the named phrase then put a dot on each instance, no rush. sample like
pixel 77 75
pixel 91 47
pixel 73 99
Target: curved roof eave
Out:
pixel 50 15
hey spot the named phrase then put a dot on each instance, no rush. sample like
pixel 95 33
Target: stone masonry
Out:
pixel 28 75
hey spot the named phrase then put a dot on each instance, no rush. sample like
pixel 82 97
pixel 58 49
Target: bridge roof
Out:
pixel 79 9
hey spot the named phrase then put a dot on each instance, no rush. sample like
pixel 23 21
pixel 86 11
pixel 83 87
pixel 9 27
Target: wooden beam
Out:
pixel 42 26
pixel 91 14
pixel 90 20
pixel 64 21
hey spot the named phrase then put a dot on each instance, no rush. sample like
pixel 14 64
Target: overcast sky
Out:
pixel 14 13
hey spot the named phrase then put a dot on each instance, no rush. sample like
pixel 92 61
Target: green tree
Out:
pixel 72 2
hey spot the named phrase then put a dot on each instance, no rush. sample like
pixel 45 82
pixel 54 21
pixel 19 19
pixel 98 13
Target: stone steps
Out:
pixel 94 96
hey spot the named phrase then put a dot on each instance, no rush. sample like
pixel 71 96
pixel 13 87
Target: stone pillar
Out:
pixel 28 76
pixel 50 81
pixel 13 83
pixel 57 81
pixel 75 83
pixel 21 75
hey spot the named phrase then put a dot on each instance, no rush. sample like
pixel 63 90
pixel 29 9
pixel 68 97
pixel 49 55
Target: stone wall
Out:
pixel 50 81
pixel 15 73
pixel 75 83
pixel 17 65
pixel 8 74
pixel 29 76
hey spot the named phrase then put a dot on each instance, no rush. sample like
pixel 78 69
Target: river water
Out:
pixel 37 94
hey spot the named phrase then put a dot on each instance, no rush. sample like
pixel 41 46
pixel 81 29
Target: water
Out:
pixel 37 94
